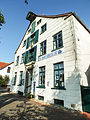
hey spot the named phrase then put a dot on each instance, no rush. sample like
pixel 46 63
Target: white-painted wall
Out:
pixel 4 72
pixel 74 68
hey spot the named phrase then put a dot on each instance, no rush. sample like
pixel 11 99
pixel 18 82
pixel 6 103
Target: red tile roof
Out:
pixel 3 64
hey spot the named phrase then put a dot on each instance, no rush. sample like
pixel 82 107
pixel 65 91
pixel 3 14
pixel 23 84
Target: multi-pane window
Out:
pixel 30 55
pixel 57 40
pixel 17 60
pixel 23 58
pixel 31 40
pixel 24 43
pixel 39 22
pixel 42 76
pixel 43 28
pixel 59 75
pixel 43 48
pixel 8 70
pixel 21 81
pixel 33 27
pixel 15 78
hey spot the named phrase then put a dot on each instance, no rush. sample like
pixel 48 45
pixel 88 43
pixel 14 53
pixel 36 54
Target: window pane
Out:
pixel 42 76
pixel 43 48
pixel 57 39
pixel 61 65
pixel 56 66
pixel 59 35
pixel 59 75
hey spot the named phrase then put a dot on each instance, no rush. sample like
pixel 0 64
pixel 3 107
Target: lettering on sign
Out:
pixel 49 55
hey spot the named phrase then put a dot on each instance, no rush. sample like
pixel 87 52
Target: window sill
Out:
pixel 41 55
pixel 41 87
pixel 57 48
pixel 59 88
pixel 19 85
pixel 42 32
pixel 16 65
pixel 22 63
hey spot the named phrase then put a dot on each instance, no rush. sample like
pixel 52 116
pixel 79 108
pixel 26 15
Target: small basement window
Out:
pixel 41 98
pixel 59 102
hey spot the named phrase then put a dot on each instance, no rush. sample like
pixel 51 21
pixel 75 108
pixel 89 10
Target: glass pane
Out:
pixel 56 75
pixel 59 42
pixel 61 75
pixel 55 37
pixel 61 65
pixel 56 66
pixel 59 35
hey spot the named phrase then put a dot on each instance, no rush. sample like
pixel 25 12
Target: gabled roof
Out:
pixel 3 65
pixel 31 16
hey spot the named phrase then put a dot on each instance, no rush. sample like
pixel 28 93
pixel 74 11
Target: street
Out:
pixel 16 107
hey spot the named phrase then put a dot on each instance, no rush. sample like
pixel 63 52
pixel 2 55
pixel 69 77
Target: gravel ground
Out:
pixel 15 107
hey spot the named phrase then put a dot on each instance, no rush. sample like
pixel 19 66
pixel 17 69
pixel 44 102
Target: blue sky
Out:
pixel 15 12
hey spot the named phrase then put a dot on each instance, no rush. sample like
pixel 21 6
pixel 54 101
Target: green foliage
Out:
pixel 4 80
pixel 2 21
pixel 1 80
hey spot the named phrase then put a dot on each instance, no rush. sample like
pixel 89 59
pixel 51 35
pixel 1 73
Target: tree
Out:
pixel 2 21
pixel 4 80
pixel 1 80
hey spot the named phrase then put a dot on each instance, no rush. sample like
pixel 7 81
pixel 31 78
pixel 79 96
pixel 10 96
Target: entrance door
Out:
pixel 85 93
pixel 28 84
pixel 30 81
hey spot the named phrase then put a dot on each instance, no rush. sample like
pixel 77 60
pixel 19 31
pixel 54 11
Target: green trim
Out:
pixel 33 27
pixel 40 87
pixel 59 88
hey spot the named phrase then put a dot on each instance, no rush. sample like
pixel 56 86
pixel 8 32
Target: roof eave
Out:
pixel 81 22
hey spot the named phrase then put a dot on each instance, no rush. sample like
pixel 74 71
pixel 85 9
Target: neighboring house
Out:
pixel 52 61
pixel 6 69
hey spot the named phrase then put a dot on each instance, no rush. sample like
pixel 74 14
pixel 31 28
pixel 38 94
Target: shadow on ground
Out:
pixel 6 99
pixel 28 110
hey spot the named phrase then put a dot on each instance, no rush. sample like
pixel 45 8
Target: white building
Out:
pixel 52 60
pixel 6 69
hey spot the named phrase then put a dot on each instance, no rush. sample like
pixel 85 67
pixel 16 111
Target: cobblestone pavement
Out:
pixel 15 107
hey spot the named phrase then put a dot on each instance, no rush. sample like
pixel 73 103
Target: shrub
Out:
pixel 4 80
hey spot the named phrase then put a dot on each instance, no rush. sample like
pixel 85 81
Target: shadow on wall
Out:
pixel 72 94
pixel 18 87
pixel 88 75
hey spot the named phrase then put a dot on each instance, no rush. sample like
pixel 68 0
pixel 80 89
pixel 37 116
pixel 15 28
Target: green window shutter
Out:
pixel 34 54
pixel 33 27
pixel 26 57
pixel 36 36
pixel 27 43
pixel 29 56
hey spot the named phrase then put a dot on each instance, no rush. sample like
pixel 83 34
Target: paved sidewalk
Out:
pixel 15 107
